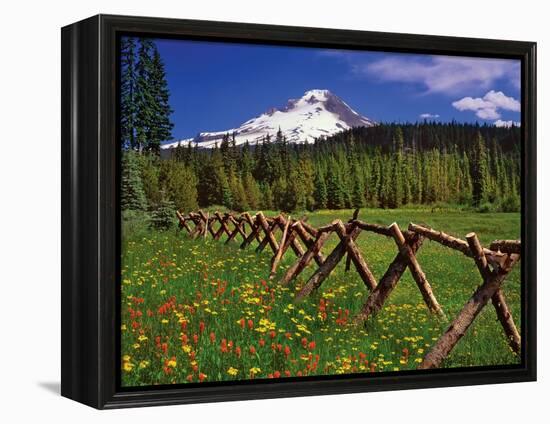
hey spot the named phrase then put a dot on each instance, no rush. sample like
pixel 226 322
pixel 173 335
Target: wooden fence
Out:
pixel 306 242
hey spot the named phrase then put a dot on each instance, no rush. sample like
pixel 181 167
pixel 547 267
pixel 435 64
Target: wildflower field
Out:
pixel 203 311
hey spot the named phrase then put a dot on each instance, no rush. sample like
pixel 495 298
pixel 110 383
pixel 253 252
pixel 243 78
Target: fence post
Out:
pixel 328 265
pixel 348 259
pixel 470 310
pixel 307 257
pixel 390 279
pixel 280 251
pixel 416 271
pixel 355 255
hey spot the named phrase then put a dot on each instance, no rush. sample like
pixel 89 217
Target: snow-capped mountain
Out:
pixel 317 113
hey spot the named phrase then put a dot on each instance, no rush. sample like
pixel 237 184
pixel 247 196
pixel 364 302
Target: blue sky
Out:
pixel 216 86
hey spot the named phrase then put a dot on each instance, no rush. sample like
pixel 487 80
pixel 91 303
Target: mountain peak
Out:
pixel 319 94
pixel 318 113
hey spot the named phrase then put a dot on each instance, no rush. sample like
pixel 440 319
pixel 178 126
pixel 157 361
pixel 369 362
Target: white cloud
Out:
pixel 488 114
pixel 507 124
pixel 429 116
pixel 500 100
pixel 443 74
pixel 488 106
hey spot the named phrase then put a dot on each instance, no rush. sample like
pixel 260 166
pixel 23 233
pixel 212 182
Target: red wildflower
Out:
pixel 212 337
pixel 201 326
pixel 250 324
pixel 252 350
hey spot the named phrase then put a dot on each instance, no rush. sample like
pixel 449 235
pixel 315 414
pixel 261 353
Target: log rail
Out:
pixel 493 263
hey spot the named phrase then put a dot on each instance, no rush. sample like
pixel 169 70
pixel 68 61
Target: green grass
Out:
pixel 170 284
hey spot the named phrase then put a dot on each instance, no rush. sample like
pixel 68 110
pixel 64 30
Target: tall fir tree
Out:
pixel 128 92
pixel 161 125
pixel 152 122
pixel 320 194
pixel 479 169
pixel 145 99
pixel 162 217
pixel 132 193
pixel 335 193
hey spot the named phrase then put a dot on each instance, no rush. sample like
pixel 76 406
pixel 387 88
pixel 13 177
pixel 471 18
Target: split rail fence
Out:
pixel 306 242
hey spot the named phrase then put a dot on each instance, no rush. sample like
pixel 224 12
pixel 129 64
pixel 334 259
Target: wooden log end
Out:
pixel 471 235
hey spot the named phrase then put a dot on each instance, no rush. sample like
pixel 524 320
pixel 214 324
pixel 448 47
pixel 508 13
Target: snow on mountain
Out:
pixel 317 113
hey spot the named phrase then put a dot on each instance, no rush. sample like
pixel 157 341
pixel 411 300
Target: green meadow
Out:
pixel 202 310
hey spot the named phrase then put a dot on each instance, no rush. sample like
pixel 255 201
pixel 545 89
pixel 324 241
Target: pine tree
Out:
pixel 336 196
pixel 479 171
pixel 132 193
pixel 161 125
pixel 252 190
pixel 163 216
pixel 280 194
pixel 181 185
pixel 320 194
pixel 263 171
pixel 213 185
pixel 239 200
pixel 145 99
pixel 396 195
pixel 306 178
pixel 358 188
pixel 128 93
pixel 150 175
pixel 267 202
pixel 153 111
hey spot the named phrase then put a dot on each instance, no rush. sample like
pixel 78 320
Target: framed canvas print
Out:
pixel 253 211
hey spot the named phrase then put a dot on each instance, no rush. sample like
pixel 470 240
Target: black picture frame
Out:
pixel 90 212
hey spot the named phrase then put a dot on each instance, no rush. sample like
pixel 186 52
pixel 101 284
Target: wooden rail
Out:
pixel 493 263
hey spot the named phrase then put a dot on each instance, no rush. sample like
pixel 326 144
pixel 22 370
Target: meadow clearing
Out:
pixel 203 311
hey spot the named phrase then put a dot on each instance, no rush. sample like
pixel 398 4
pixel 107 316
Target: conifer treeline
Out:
pixel 386 166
